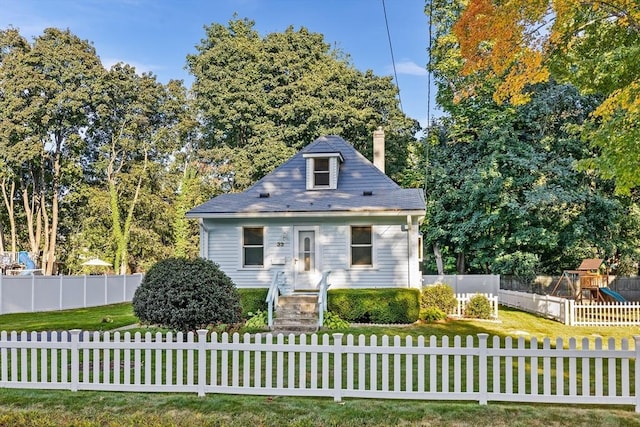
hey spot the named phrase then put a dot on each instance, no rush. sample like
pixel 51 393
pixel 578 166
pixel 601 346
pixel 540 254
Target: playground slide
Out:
pixel 613 294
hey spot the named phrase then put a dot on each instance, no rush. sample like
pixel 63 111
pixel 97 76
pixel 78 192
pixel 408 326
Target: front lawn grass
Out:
pixel 47 407
pixel 101 318
pixel 35 408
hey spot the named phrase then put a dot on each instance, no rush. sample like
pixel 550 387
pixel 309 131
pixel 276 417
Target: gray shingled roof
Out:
pixel 287 191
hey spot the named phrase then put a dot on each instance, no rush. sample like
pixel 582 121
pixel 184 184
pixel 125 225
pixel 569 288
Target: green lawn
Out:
pixel 44 408
pixel 102 318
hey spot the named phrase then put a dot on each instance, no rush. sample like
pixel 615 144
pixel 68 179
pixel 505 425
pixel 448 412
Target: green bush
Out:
pixel 333 321
pixel 431 314
pixel 186 294
pixel 257 320
pixel 439 296
pixel 253 300
pixel 478 307
pixel 393 305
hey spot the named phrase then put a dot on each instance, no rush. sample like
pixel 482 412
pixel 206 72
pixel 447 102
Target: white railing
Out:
pixel 475 368
pixel 32 293
pixel 463 300
pixel 272 295
pixel 571 313
pixel 323 285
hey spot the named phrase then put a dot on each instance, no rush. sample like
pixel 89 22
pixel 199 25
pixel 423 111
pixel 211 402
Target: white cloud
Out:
pixel 107 63
pixel 411 68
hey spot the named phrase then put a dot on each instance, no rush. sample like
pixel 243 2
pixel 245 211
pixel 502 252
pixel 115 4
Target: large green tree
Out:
pixel 45 106
pixel 503 188
pixel 595 45
pixel 262 98
pixel 134 133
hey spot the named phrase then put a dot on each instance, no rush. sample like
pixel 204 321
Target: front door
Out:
pixel 306 258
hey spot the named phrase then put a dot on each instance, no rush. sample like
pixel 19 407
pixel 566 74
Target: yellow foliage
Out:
pixel 512 40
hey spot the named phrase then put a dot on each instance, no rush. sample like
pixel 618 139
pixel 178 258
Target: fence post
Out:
pixel 1 312
pixel 84 292
pixel 571 305
pixel 106 290
pixel 482 368
pixel 33 293
pixel 202 361
pixel 60 294
pixel 636 386
pixel 337 367
pixel 75 358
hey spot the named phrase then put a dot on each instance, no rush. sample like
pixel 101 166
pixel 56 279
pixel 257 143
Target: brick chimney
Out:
pixel 378 148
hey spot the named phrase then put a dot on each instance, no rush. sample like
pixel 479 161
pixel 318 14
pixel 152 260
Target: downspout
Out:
pixel 204 239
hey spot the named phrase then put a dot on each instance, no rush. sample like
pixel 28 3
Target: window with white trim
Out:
pixel 361 246
pixel 322 170
pixel 321 173
pixel 253 247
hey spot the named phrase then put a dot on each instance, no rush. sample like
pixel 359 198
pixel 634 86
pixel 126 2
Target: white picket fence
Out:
pixel 571 313
pixel 604 314
pixel 463 299
pixel 475 368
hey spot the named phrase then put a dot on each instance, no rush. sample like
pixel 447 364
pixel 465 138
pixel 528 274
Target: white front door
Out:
pixel 306 273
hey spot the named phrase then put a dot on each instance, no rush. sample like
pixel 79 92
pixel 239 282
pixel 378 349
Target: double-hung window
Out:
pixel 321 173
pixel 253 246
pixel 361 246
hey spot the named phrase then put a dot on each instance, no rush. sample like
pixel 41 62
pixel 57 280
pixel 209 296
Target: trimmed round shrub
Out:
pixel 186 294
pixel 438 296
pixel 431 314
pixel 478 307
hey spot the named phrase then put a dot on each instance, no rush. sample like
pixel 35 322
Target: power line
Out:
pixel 428 131
pixel 393 61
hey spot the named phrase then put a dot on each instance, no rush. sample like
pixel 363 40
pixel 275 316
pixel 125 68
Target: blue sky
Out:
pixel 156 35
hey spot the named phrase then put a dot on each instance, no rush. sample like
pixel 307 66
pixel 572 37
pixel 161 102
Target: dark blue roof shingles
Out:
pixel 286 186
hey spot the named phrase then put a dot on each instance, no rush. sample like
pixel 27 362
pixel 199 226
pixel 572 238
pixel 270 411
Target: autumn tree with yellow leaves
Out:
pixel 594 45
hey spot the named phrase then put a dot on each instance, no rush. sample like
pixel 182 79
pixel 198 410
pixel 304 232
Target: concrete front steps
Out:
pixel 297 313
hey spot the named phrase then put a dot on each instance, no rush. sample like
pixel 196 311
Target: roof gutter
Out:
pixel 340 214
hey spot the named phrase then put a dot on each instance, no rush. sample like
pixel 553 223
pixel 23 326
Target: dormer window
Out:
pixel 322 170
pixel 321 173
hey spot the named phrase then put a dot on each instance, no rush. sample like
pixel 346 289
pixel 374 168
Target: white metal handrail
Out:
pixel 272 296
pixel 322 296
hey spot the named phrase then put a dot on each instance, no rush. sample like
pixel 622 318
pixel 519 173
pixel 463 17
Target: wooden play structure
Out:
pixel 589 281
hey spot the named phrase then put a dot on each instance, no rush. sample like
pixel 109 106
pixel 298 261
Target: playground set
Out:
pixel 589 282
pixel 17 263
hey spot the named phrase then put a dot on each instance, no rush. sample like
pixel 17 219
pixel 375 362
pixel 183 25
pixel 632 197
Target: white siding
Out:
pixel 390 244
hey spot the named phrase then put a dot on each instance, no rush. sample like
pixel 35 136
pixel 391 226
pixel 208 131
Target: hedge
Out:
pixel 253 300
pixel 392 305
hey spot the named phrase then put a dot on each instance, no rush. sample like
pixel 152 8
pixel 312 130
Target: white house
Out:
pixel 327 208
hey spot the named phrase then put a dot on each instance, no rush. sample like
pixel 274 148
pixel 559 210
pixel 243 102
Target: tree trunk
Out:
pixel 52 232
pixel 438 254
pixel 9 203
pixel 460 267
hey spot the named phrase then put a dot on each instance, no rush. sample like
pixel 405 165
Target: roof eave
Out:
pixel 294 214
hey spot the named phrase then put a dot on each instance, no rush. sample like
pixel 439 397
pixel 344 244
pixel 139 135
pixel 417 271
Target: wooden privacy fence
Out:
pixel 475 368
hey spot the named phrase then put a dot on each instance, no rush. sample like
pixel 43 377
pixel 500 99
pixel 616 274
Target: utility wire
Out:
pixel 393 61
pixel 428 131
